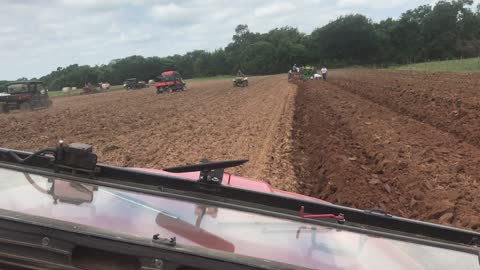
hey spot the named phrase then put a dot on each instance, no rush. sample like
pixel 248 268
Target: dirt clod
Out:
pixel 387 188
pixel 374 181
pixel 419 196
pixel 446 218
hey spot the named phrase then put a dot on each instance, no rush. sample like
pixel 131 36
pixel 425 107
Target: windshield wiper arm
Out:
pixel 340 218
pixel 210 172
pixel 206 165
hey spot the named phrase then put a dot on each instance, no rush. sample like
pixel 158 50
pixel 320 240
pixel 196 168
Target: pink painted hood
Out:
pixel 219 228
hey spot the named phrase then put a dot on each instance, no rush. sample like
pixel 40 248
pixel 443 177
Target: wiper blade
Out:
pixel 206 165
pixel 210 172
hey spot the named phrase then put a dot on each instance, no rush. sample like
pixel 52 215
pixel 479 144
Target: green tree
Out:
pixel 349 39
pixel 259 58
pixel 289 47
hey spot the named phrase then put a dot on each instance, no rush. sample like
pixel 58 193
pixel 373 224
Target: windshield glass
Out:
pixel 363 104
pixel 167 78
pixel 18 88
pixel 39 86
pixel 219 228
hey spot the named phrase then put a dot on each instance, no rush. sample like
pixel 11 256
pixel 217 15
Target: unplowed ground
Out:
pixel 404 142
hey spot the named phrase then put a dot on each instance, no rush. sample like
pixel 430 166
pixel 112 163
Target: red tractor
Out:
pixel 169 81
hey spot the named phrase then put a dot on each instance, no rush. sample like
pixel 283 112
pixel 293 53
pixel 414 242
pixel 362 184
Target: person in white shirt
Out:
pixel 324 73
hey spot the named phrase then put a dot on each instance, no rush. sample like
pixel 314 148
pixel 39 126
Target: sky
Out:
pixel 37 36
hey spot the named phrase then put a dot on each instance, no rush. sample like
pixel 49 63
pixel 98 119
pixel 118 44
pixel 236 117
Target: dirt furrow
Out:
pixel 368 156
pixel 447 101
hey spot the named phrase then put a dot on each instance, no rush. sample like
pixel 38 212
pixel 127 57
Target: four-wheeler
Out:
pixel 132 83
pixel 240 82
pixel 24 95
pixel 90 89
pixel 169 81
pixel 142 84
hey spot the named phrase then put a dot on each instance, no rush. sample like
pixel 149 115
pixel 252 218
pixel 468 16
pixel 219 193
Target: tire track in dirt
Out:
pixel 367 155
pixel 275 152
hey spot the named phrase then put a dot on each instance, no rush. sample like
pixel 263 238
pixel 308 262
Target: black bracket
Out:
pixel 211 172
pixel 172 241
pixel 75 157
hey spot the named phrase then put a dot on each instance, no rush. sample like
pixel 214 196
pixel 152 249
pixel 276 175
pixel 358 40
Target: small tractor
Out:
pixel 307 73
pixel 90 89
pixel 25 96
pixel 169 81
pixel 301 74
pixel 132 83
pixel 240 82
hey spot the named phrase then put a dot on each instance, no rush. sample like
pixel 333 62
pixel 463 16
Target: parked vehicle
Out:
pixel 25 96
pixel 91 89
pixel 170 81
pixel 240 82
pixel 132 83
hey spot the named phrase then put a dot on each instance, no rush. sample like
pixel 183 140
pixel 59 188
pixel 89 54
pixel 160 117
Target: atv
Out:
pixel 90 89
pixel 169 81
pixel 132 83
pixel 240 82
pixel 25 96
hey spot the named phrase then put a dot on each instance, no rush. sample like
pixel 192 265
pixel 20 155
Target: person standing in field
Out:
pixel 240 73
pixel 324 72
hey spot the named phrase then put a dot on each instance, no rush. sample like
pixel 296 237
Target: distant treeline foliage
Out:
pixel 449 29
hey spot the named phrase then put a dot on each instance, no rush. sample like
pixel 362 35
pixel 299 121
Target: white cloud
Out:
pixel 172 14
pixel 93 5
pixel 274 9
pixel 36 38
pixel 169 10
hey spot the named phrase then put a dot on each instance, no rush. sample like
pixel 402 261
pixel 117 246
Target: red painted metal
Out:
pixel 167 73
pixel 240 182
pixel 169 83
pixel 229 178
pixel 332 216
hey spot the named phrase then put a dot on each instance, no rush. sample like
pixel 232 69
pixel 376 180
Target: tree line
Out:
pixel 448 29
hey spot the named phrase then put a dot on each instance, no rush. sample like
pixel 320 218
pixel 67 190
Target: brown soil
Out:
pixel 360 149
pixel 447 101
pixel 140 129
pixel 404 142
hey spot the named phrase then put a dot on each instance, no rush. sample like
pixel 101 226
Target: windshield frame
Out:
pixel 24 228
pixel 273 205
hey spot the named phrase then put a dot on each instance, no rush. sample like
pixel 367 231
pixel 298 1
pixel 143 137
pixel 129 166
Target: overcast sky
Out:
pixel 37 36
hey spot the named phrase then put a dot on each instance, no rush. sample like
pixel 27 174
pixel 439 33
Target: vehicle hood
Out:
pixel 219 228
pixel 238 182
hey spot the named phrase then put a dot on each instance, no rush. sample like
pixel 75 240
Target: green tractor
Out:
pixel 307 72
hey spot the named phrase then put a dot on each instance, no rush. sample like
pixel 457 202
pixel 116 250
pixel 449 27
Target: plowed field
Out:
pixel 140 129
pixel 404 142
